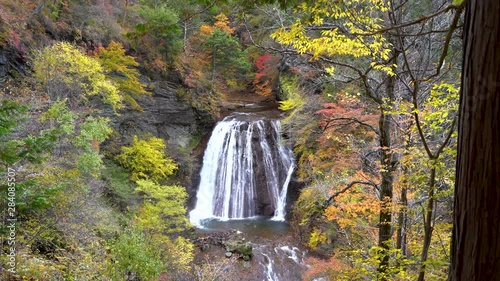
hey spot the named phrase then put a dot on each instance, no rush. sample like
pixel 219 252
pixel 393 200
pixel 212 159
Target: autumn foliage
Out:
pixel 346 124
pixel 213 65
pixel 266 75
pixel 120 69
pixel 340 204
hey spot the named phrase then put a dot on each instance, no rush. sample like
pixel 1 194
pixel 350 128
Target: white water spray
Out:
pixel 242 153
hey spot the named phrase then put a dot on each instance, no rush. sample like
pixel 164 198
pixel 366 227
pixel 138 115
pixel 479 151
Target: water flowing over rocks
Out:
pixel 273 254
pixel 241 198
pixel 246 170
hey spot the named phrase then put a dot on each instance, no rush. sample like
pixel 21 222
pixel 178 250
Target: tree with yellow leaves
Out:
pixel 163 209
pixel 65 72
pixel 393 54
pixel 146 160
pixel 120 69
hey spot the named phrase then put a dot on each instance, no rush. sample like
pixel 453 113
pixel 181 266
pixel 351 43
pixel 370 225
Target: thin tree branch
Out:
pixel 349 186
pixel 449 36
pixel 421 20
pixel 354 120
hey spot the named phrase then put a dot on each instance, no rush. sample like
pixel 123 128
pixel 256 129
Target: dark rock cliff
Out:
pixel 165 116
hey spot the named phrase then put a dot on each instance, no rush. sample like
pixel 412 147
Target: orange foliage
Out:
pixel 352 208
pixel 345 125
pixel 222 23
pixel 206 30
pixel 195 61
pixel 323 268
pixel 205 65
pixel 158 64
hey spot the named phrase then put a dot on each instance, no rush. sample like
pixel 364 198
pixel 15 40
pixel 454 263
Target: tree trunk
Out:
pixel 401 233
pixel 125 10
pixel 475 247
pixel 386 187
pixel 387 174
pixel 428 223
pixel 403 207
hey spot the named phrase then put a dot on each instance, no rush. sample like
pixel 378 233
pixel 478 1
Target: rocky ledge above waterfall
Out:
pixel 258 109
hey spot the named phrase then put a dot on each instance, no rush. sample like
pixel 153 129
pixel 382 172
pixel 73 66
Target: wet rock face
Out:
pixel 266 204
pixel 265 201
pixel 164 116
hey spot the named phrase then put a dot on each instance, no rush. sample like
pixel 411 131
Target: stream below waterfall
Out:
pixel 243 187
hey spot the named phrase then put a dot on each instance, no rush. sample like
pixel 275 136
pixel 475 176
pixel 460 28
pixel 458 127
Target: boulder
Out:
pixel 240 247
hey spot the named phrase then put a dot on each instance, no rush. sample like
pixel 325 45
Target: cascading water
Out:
pixel 246 170
pixel 279 261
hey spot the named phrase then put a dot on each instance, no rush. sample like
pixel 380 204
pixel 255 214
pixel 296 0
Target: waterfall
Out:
pixel 246 170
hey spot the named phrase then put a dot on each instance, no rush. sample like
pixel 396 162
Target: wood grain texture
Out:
pixel 476 233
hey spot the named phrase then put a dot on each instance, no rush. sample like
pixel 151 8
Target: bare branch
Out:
pixel 453 27
pixel 354 120
pixel 349 186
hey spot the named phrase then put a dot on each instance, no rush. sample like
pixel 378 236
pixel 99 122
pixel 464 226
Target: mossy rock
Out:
pixel 243 249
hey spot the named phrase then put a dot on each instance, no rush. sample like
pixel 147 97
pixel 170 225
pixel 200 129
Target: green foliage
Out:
pixel 93 131
pixel 163 209
pixel 65 72
pixel 158 34
pixel 54 9
pixel 214 65
pixel 11 115
pixel 227 57
pixel 119 68
pixel 64 238
pixel 35 197
pixel 33 147
pixel 146 159
pixel 67 223
pixel 440 108
pixel 292 99
pixel 58 113
pixel 147 256
pixel 363 263
pixel 121 188
pixel 30 150
pixel 133 253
